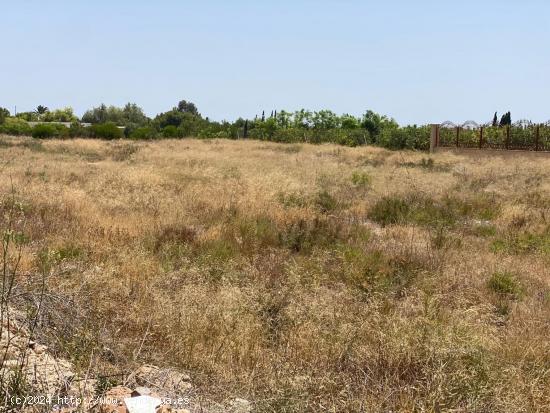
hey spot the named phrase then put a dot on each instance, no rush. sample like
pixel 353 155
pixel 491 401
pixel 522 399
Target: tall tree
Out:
pixel 41 109
pixel 188 107
pixel 506 119
pixel 495 119
pixel 4 113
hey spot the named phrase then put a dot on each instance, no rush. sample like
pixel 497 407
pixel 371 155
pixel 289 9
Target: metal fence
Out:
pixel 522 135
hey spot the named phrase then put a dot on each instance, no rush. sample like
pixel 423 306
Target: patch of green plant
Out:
pixel 48 258
pixel 103 384
pixel 420 210
pixel 170 131
pixel 259 232
pixel 219 250
pixel 361 179
pixel 107 130
pixel 49 130
pixel 374 271
pixel 390 210
pixel 69 252
pixel 142 133
pixel 325 202
pixel 505 283
pixel 16 127
pixel 292 200
pixel 484 230
pixel 302 236
pixel 526 242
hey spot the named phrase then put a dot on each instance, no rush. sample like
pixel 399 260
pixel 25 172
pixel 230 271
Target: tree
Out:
pixel 506 119
pixel 375 124
pixel 130 115
pixel 349 122
pixel 495 120
pixel 96 115
pixel 325 119
pixel 41 109
pixel 303 119
pixel 59 115
pixel 4 113
pixel 188 107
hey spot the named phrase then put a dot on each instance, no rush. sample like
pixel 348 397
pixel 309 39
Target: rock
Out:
pixel 141 391
pixel 238 405
pixel 165 381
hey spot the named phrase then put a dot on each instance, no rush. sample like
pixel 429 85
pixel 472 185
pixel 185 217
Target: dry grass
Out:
pixel 305 278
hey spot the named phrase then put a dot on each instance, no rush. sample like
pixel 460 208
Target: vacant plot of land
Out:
pixel 304 278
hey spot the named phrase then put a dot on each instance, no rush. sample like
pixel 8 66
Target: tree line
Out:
pixel 185 120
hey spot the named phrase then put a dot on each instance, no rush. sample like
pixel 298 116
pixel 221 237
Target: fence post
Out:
pixel 434 137
pixel 480 137
pixel 457 135
pixel 507 137
pixel 537 137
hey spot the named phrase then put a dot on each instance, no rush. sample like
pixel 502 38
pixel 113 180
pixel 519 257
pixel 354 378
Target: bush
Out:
pixel 436 213
pixel 170 131
pixel 389 211
pixel 505 283
pixel 44 131
pixel 4 114
pixel 50 130
pixel 107 130
pixel 15 126
pixel 325 202
pixel 144 132
pixel 360 179
pixel 410 137
pixel 76 130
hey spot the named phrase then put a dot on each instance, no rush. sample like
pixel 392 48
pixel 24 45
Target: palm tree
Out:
pixel 41 109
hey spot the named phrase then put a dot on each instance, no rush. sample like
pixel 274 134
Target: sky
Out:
pixel 416 61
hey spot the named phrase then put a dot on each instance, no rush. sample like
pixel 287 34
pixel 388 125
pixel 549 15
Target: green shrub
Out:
pixel 107 130
pixel 292 200
pixel 15 126
pixel 429 212
pixel 302 236
pixel 76 130
pixel 389 210
pixel 409 137
pixel 4 114
pixel 46 130
pixel 523 242
pixel 325 202
pixel 144 132
pixel 170 131
pixel 43 131
pixel 361 179
pixel 505 283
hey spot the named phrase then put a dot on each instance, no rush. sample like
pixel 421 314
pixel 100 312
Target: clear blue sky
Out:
pixel 418 61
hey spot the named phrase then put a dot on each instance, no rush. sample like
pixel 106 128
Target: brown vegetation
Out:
pixel 301 277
